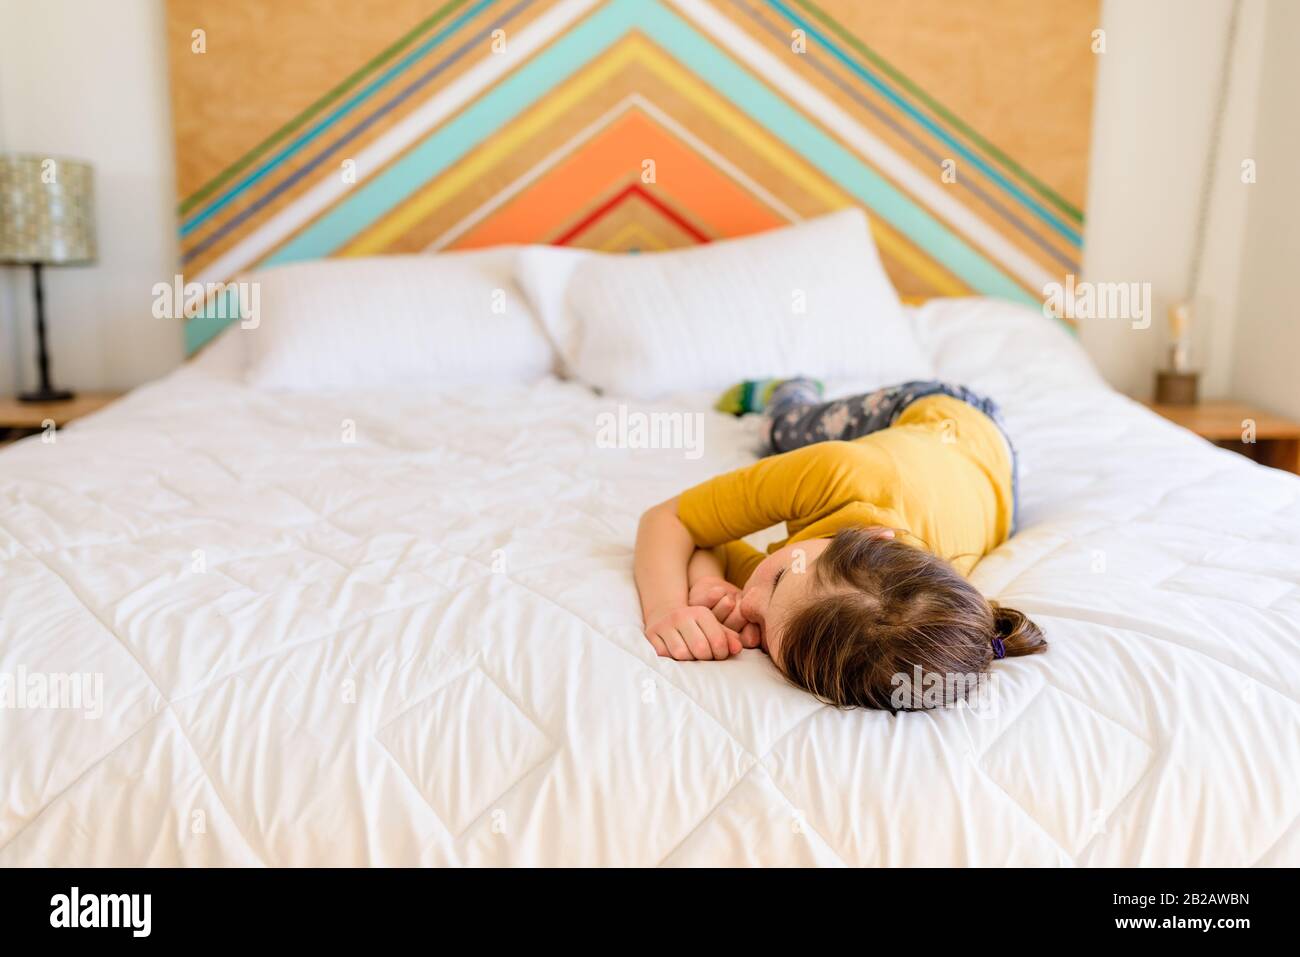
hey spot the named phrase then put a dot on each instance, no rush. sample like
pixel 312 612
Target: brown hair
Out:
pixel 891 609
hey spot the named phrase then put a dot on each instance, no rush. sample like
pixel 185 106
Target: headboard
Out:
pixel 327 128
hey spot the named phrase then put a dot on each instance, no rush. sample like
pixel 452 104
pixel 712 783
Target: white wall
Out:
pixel 88 79
pixel 1266 366
pixel 1155 98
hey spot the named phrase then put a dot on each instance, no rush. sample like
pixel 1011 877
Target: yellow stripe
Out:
pixel 794 168
pixel 634 48
pixel 419 206
pixel 624 239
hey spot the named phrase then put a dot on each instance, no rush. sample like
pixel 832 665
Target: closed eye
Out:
pixel 777 580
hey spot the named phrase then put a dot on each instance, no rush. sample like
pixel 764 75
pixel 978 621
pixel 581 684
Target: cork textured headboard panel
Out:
pixel 327 128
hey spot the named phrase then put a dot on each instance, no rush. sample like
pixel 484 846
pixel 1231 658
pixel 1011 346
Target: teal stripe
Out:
pixel 444 148
pixel 934 128
pixel 839 164
pixel 319 128
pixel 202 328
pixel 578 46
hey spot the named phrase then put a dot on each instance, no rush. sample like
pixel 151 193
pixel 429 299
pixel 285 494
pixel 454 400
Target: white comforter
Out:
pixel 423 646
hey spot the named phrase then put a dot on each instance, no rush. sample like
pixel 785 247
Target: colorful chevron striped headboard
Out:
pixel 330 128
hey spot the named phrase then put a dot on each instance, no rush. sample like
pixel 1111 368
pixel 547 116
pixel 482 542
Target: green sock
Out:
pixel 751 395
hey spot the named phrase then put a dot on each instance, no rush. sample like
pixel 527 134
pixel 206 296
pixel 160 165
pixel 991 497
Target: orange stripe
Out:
pixel 609 157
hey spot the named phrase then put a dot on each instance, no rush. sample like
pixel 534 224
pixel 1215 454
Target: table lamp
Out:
pixel 47 218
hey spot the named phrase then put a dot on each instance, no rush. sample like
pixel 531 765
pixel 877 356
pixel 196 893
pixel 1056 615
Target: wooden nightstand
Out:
pixel 18 419
pixel 1277 439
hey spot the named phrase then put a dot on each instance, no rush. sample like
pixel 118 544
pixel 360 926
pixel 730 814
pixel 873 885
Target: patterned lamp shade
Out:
pixel 47 211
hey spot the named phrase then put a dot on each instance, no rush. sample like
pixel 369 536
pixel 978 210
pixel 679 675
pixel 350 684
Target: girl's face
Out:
pixel 781 583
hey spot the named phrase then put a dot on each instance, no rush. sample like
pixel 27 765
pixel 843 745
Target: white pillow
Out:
pixel 996 346
pixel 811 299
pixel 395 321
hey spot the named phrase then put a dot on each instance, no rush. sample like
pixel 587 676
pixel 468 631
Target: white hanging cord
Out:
pixel 1212 154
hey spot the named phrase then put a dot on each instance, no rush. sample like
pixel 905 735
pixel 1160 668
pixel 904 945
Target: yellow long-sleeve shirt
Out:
pixel 940 476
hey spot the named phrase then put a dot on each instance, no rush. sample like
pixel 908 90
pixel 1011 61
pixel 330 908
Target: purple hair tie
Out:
pixel 999 648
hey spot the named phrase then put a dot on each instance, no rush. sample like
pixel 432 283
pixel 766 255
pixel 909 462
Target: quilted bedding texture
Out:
pixel 422 646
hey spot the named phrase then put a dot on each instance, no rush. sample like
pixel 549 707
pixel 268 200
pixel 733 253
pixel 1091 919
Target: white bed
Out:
pixel 423 647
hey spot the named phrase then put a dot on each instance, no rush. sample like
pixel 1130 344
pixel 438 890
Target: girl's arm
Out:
pixel 704 564
pixel 664 550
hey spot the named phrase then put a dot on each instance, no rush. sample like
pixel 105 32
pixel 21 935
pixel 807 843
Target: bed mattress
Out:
pixel 400 628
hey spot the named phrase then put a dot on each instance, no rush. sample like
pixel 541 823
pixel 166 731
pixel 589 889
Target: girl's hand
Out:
pixel 751 636
pixel 720 596
pixel 692 633
pixel 723 599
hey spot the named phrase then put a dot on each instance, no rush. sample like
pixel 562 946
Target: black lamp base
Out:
pixel 44 392
pixel 46 395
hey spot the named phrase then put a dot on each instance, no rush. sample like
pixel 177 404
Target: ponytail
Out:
pixel 1016 633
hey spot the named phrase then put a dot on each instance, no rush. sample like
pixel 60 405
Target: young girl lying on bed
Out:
pixel 889 500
